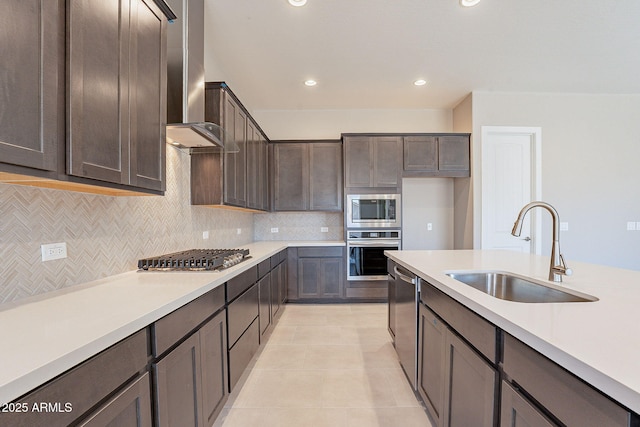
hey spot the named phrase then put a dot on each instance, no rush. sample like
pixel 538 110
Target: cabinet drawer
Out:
pixel 480 333
pixel 85 385
pixel 316 252
pixel 568 398
pixel 242 352
pixel 264 267
pixel 174 326
pixel 278 258
pixel 131 407
pixel 241 313
pixel 241 282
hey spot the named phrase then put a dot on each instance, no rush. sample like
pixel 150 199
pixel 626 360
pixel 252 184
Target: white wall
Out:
pixel 329 124
pixel 590 152
pixel 424 201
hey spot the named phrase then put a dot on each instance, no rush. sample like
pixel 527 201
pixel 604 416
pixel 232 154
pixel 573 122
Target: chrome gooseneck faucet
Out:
pixel 558 268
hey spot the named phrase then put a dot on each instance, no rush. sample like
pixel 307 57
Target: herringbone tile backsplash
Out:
pixel 104 235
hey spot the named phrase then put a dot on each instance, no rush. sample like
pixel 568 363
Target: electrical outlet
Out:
pixel 429 226
pixel 238 230
pixel 274 229
pixel 53 251
pixel 324 229
pixel 564 226
pixel 638 225
pixel 631 226
pixel 205 235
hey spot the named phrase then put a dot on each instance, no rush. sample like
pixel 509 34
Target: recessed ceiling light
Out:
pixel 469 3
pixel 420 82
pixel 297 3
pixel 310 83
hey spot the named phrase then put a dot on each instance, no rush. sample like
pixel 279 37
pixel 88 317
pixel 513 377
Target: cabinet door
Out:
pixel 178 386
pixel 264 301
pixel 257 176
pixel 31 76
pixel 147 91
pixel 358 167
pixel 386 161
pixel 276 286
pixel 470 386
pixel 325 177
pixel 235 124
pixel 129 408
pixel 213 351
pixel 431 362
pixel 98 81
pixel 453 153
pixel 516 411
pixel 320 277
pixel 291 177
pixel 420 153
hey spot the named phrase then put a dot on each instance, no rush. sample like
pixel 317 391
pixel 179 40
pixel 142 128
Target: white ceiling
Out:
pixel 367 53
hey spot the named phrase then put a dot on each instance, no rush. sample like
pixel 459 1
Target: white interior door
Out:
pixel 510 179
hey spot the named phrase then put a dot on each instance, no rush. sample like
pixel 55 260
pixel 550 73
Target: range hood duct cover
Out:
pixel 186 128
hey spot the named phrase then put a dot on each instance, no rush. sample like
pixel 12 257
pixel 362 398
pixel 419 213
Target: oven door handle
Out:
pixel 404 277
pixel 385 243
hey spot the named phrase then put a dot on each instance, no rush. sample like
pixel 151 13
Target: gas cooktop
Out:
pixel 195 260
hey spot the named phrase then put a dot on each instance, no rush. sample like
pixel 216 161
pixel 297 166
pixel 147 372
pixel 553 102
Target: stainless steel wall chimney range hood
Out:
pixel 186 128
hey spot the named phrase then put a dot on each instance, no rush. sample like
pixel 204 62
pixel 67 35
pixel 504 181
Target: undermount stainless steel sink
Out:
pixel 511 287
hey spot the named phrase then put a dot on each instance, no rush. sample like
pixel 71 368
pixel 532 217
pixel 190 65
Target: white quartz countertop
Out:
pixel 45 336
pixel 597 341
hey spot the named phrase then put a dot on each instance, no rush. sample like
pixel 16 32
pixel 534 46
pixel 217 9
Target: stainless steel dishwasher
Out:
pixel 406 284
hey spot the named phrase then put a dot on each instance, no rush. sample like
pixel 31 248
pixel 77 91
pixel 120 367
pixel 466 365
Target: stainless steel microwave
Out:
pixel 374 210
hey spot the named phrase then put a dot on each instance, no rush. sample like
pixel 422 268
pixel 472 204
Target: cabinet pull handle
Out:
pixel 404 277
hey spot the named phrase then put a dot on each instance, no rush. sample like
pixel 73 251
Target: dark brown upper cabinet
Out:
pixel 307 176
pixel 116 105
pixel 32 81
pixel 372 161
pixel 106 61
pixel 445 155
pixel 237 177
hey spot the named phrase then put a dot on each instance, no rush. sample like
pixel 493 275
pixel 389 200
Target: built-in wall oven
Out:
pixel 365 252
pixel 373 211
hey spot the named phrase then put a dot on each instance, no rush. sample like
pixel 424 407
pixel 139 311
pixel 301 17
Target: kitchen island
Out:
pixel 44 336
pixel 599 342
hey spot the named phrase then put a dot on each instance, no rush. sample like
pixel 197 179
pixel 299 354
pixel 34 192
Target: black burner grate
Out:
pixel 193 259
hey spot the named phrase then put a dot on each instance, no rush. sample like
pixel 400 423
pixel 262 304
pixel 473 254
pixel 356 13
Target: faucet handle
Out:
pixel 562 268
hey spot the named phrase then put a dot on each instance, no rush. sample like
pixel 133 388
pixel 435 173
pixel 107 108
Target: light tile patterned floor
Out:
pixel 326 365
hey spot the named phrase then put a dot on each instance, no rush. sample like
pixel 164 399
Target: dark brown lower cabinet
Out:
pixel 456 383
pixel 470 386
pixel 431 362
pixel 264 291
pixel 213 342
pixel 72 396
pixel 191 379
pixel 517 411
pixel 129 408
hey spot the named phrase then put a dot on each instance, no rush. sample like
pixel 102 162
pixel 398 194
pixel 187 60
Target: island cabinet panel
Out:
pixel 116 101
pixel 85 386
pixel 431 362
pixel 457 362
pixel 567 398
pixel 517 411
pixel 470 387
pixel 31 78
pixel 372 161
